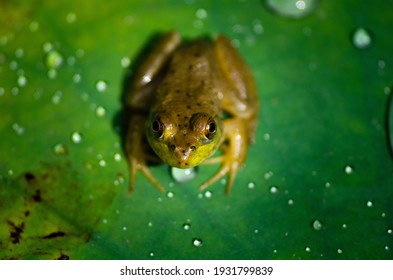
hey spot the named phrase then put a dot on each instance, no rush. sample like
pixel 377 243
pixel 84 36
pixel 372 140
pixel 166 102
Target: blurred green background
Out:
pixel 318 183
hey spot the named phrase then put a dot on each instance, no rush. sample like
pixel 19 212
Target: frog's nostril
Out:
pixel 172 147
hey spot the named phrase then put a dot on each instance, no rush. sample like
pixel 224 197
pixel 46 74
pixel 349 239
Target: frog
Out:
pixel 186 100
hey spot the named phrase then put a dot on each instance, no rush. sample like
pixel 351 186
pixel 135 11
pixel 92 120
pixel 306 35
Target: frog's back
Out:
pixel 189 81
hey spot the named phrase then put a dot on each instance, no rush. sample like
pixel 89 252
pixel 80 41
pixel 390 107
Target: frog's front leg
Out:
pixel 235 152
pixel 137 151
pixel 137 102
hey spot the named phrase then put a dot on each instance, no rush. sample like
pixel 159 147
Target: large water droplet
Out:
pixel 361 38
pixel 170 194
pixel 273 189
pixel 183 175
pixel 292 8
pixel 197 242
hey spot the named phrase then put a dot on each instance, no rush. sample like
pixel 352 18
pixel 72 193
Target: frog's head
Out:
pixel 182 141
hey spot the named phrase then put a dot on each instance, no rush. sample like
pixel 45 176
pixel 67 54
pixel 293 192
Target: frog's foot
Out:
pixel 228 167
pixel 141 166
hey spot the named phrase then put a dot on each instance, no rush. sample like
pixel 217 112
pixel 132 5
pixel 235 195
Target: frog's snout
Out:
pixel 182 155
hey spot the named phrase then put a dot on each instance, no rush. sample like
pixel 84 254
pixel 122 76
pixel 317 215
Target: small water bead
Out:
pixel 183 175
pixel 251 185
pixel 257 27
pixel 369 203
pixel 389 231
pixel 308 249
pixel 339 251
pixel 80 53
pixel 348 169
pixel 186 226
pixel 71 17
pixel 13 65
pixel 170 194
pixel 344 226
pixel 19 52
pixel 117 157
pixel 33 26
pixel 60 149
pixel 56 98
pixel 387 248
pixel 266 136
pixel 274 189
pixel 102 162
pixel 104 221
pixel 317 225
pixel 290 202
pixel 22 81
pixel 124 228
pixel 197 242
pixel 100 111
pixel 53 59
pixel 20 130
pixel 15 91
pixel 76 137
pixel 361 38
pixel 201 13
pixel 101 86
pixel 52 74
pixel 208 194
pixel 268 175
pixel 2 91
pixel 125 62
pixel 76 78
pixel 151 254
pixel 328 185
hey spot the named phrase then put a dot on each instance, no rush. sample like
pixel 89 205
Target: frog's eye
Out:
pixel 210 129
pixel 157 128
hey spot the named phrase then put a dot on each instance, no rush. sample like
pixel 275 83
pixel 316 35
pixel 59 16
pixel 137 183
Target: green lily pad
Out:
pixel 316 185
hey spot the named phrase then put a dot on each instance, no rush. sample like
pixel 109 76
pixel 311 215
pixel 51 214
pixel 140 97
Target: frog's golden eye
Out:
pixel 210 129
pixel 157 128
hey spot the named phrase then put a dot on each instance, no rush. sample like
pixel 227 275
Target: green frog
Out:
pixel 188 99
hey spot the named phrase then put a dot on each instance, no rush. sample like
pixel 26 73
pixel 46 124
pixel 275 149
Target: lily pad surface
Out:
pixel 317 184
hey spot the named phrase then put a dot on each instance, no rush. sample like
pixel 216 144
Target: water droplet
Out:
pixel 53 59
pixel 369 203
pixel 76 137
pixel 201 13
pixel 308 249
pixel 390 122
pixel 348 169
pixel 13 65
pixel 80 53
pixel 170 194
pixel 186 226
pixel 344 225
pixel 56 98
pixel 361 38
pixel 327 185
pixel 117 157
pixel 52 74
pixel 104 221
pixel 71 17
pixel 339 251
pixel 290 202
pixel 317 225
pixel 268 175
pixel 33 26
pixel 258 27
pixel 273 189
pixel 2 91
pixel 100 111
pixel 266 136
pixel 387 248
pixel 197 242
pixel 60 149
pixel 183 175
pixel 251 185
pixel 208 194
pixel 19 52
pixel 102 163
pixel 76 78
pixel 22 81
pixel 128 20
pixel 20 130
pixel 292 8
pixel 151 254
pixel 125 62
pixel 124 228
pixel 101 86
pixel 389 231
